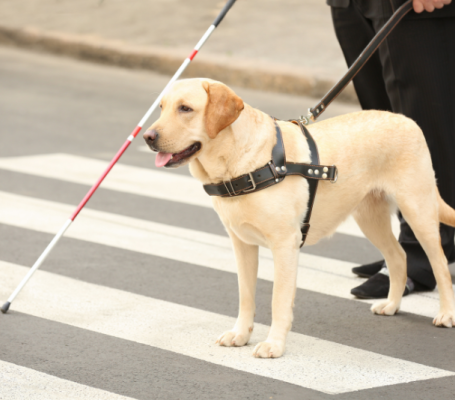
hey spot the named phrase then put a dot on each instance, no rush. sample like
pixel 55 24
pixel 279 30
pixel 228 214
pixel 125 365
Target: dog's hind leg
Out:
pixel 422 214
pixel 247 269
pixel 373 217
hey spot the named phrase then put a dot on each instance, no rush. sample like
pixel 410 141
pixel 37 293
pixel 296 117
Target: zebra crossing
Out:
pixel 328 276
pixel 17 382
pixel 190 332
pixel 130 302
pixel 140 181
pixel 172 327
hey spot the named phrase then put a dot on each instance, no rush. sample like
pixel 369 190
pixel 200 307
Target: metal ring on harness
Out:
pixel 336 175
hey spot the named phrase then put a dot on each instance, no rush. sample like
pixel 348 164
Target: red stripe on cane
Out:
pixel 128 141
pixel 98 182
pixel 136 131
pixel 192 55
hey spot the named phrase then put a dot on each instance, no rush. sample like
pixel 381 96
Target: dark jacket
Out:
pixel 446 11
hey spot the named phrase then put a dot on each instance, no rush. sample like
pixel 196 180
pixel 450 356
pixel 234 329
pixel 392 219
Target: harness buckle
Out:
pixel 232 188
pixel 252 181
pixel 336 175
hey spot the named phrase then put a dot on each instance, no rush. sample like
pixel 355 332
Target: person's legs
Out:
pixel 354 32
pixel 418 60
pixel 423 90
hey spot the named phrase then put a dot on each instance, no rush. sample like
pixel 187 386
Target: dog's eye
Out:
pixel 185 109
pixel 161 106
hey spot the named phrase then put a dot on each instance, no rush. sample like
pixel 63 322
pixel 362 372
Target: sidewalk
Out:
pixel 285 46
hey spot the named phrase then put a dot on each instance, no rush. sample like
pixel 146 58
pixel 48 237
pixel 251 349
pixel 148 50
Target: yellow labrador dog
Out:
pixel 383 163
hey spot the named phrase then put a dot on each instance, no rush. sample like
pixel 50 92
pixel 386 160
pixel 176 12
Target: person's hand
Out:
pixel 429 5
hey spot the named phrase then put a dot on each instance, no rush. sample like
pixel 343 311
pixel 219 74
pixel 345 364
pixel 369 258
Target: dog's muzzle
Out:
pixel 150 138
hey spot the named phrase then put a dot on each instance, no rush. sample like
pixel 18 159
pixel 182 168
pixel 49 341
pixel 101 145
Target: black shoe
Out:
pixel 377 287
pixel 367 270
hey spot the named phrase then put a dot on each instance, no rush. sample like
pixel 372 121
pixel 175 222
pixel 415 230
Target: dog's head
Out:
pixel 193 112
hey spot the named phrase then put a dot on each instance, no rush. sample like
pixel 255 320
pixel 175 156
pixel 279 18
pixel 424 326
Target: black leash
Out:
pixel 318 109
pixel 277 169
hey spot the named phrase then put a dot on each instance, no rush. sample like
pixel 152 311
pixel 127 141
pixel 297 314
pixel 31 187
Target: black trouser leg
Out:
pixel 425 91
pixel 354 32
pixel 418 69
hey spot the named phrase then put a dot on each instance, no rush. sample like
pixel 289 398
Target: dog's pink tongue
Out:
pixel 162 159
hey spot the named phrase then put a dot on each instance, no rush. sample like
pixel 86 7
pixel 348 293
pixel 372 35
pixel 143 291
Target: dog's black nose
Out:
pixel 150 136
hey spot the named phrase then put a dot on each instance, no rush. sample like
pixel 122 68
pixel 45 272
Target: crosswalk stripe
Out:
pixel 125 178
pixel 309 362
pixel 17 382
pixel 317 274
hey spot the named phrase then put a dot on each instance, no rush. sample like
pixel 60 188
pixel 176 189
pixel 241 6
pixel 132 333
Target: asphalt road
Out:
pixel 130 302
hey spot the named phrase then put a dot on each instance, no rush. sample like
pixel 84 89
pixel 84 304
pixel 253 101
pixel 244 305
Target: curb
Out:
pixel 236 72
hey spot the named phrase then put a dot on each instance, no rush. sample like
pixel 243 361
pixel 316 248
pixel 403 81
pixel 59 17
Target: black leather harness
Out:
pixel 275 171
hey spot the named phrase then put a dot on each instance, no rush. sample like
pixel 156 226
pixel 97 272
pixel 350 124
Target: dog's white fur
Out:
pixel 383 163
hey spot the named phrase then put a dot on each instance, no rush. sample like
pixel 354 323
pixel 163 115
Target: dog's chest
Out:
pixel 250 234
pixel 242 219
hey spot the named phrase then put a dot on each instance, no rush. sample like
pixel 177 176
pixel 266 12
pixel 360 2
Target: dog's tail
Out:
pixel 446 213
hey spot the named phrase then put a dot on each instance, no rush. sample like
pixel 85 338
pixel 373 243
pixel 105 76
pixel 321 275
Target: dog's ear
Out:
pixel 222 109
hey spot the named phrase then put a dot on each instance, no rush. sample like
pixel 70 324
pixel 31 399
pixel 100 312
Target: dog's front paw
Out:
pixel 386 307
pixel 234 338
pixel 446 319
pixel 269 349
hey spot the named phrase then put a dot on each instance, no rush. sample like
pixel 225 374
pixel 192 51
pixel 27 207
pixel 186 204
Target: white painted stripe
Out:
pixel 123 178
pixel 142 181
pixel 308 362
pixel 205 37
pixel 40 260
pixel 130 138
pixel 20 383
pixel 144 149
pixel 318 274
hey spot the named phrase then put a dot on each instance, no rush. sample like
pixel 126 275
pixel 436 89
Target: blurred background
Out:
pixel 286 46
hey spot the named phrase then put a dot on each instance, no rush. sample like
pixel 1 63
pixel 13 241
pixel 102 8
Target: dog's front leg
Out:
pixel 247 268
pixel 284 286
